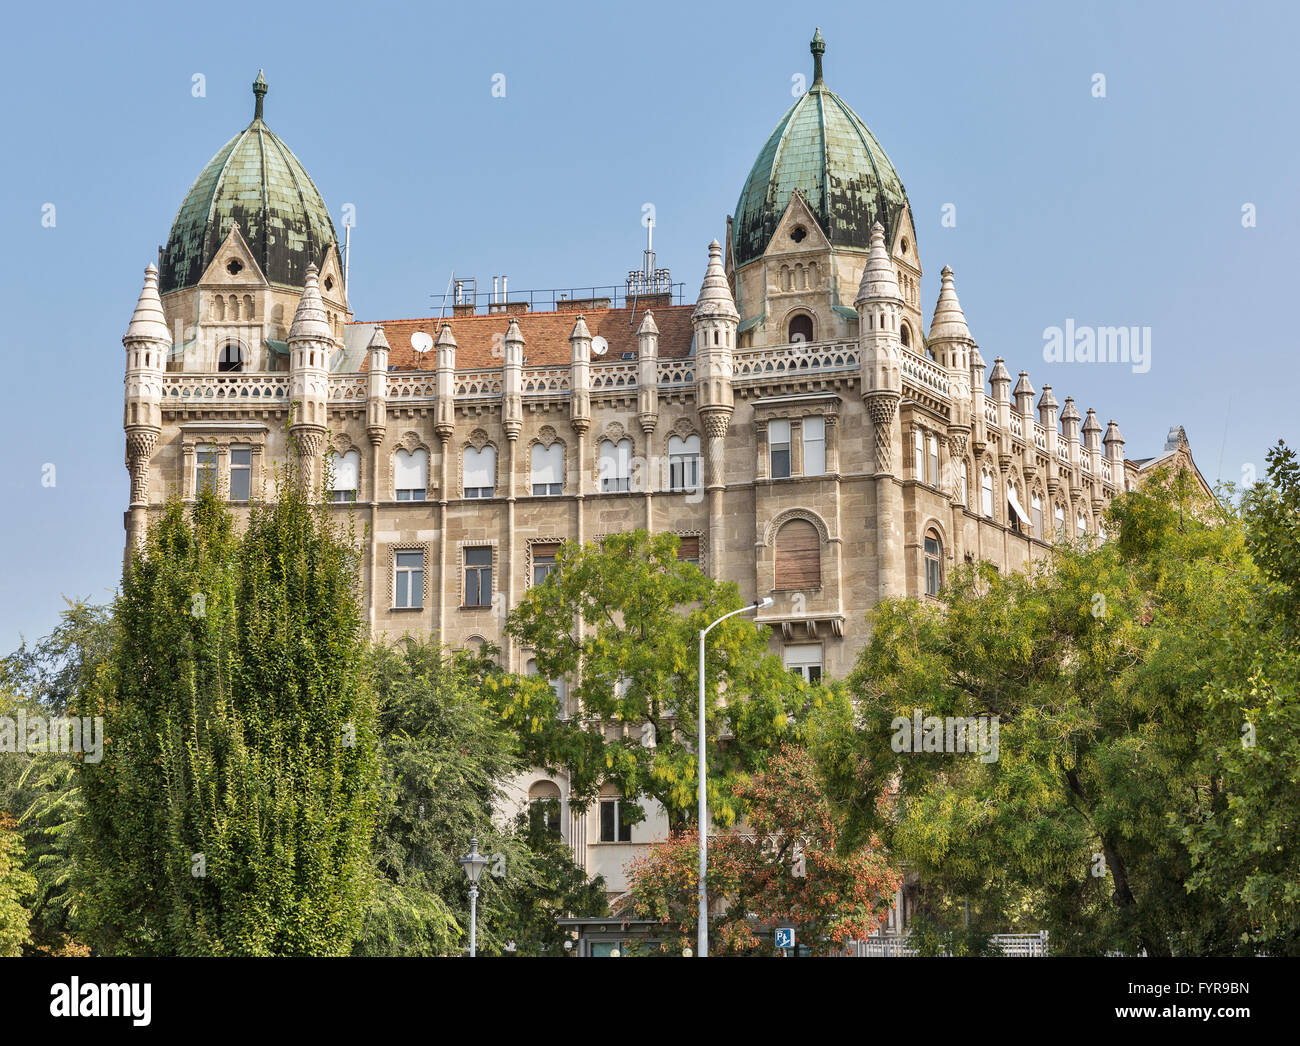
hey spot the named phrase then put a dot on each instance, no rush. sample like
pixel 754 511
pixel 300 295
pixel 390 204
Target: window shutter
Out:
pixel 689 549
pixel 548 464
pixel 345 470
pixel 547 551
pixel 798 556
pixel 410 470
pixel 479 466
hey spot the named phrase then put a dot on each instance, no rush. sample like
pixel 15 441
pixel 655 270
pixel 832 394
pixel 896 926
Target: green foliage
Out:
pixel 629 614
pixel 783 868
pixel 1245 845
pixel 1096 667
pixel 235 805
pixel 16 885
pixel 444 756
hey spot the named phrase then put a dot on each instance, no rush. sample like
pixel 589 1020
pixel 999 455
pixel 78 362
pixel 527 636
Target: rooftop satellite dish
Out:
pixel 599 346
pixel 421 342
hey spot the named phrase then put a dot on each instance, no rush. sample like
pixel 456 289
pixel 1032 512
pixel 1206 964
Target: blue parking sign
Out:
pixel 785 937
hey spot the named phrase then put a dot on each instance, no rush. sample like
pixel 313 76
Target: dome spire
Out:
pixel 259 92
pixel 818 48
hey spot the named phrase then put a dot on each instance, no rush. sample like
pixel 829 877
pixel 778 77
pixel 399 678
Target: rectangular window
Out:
pixel 408 580
pixel 543 562
pixel 205 468
pixel 689 551
pixel 478 577
pixel 480 472
pixel 778 442
pixel 804 660
pixel 814 446
pixel 241 472
pixel 612 828
pixel 934 461
pixel 918 457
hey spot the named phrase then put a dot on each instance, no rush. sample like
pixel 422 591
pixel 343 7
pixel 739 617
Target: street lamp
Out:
pixel 702 936
pixel 473 863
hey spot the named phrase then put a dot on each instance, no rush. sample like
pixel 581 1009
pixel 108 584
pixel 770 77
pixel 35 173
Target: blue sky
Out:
pixel 1122 210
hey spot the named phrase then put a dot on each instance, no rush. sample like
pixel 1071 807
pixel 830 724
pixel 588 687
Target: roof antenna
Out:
pixel 443 308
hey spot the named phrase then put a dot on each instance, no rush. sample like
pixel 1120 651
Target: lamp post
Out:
pixel 473 863
pixel 702 935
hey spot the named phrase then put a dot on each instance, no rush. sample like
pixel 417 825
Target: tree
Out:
pixel 42 790
pixel 619 621
pixel 784 868
pixel 235 805
pixel 1093 669
pixel 445 756
pixel 16 884
pixel 1246 850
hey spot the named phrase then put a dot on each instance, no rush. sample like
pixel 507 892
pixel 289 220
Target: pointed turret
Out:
pixel 512 382
pixel 1114 442
pixel 580 375
pixel 309 320
pixel 377 386
pixel 148 323
pixel 879 280
pixel 715 301
pixel 647 394
pixel 948 322
pixel 445 348
pixel 148 344
pixel 1047 407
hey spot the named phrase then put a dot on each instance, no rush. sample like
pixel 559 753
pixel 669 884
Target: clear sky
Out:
pixel 1125 209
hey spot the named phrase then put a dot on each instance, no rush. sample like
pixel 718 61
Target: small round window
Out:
pixel 234 267
pixel 904 244
pixel 798 233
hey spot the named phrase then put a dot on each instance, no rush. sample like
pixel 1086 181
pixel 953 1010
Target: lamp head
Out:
pixel 766 602
pixel 474 862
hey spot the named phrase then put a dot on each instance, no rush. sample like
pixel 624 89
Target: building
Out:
pixel 799 424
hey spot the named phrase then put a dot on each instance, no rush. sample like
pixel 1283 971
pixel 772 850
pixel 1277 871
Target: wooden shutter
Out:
pixel 689 549
pixel 548 551
pixel 798 556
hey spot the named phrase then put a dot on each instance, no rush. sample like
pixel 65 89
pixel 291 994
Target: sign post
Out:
pixel 785 939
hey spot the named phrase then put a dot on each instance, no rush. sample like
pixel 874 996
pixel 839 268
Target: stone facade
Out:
pixel 796 425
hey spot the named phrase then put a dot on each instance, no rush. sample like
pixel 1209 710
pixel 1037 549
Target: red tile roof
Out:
pixel 546 336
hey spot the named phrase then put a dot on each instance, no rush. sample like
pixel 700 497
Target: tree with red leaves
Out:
pixel 781 868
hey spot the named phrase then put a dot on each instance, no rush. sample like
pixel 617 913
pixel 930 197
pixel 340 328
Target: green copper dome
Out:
pixel 822 148
pixel 257 181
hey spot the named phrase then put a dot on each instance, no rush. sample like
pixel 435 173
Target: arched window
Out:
pixel 986 493
pixel 933 562
pixel 1058 514
pixel 905 335
pixel 934 460
pixel 683 463
pixel 480 472
pixel 801 328
pixel 410 474
pixel 544 808
pixel 345 468
pixel 231 358
pixel 798 556
pixel 1036 510
pixel 965 477
pixel 548 469
pixel 615 466
pixel 918 455
pixel 1080 524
